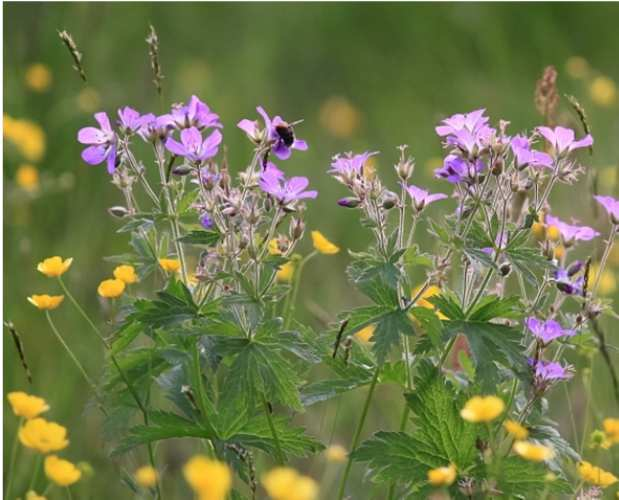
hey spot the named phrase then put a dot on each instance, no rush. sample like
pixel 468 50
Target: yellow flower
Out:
pixel 25 405
pixel 285 483
pixel 532 451
pixel 515 429
pixel 323 245
pixel 38 77
pixel 126 273
pixel 146 476
pixel 339 116
pixel 559 252
pixel 365 334
pixel 62 472
pixel 43 436
pixel 553 233
pixel 53 267
pixel 111 289
pixel 422 301
pixel 433 163
pixel 595 475
pixel 336 453
pixel 539 228
pixel 210 479
pixel 611 428
pixel 46 302
pixel 577 67
pixel 442 476
pixel 608 283
pixel 274 247
pixel 285 272
pixel 27 177
pixel 27 137
pixel 33 495
pixel 88 100
pixel 482 409
pixel 170 265
pixel 603 91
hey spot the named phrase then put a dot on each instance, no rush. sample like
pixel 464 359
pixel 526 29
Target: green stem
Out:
pixel 357 436
pixel 82 312
pixel 291 301
pixel 10 473
pixel 35 472
pixel 69 496
pixel 280 454
pixel 609 246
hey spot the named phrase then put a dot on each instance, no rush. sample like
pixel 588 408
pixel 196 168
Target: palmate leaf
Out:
pixel 387 333
pixel 525 479
pixel 204 238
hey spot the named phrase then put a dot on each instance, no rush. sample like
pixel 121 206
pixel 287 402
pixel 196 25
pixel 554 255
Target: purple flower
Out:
pixel 206 221
pixel 562 139
pixel 569 232
pixel 192 147
pixel 102 143
pixel 475 120
pixel 208 178
pixel 286 191
pixel 547 330
pixel 279 133
pixel 566 279
pixel 611 205
pixel 130 120
pixel 349 166
pixel 155 127
pixel 349 202
pixel 525 156
pixel 469 132
pixel 456 169
pixel 193 114
pixel 547 372
pixel 422 198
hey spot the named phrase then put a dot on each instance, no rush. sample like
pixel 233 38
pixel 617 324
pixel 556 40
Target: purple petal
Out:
pixel 111 159
pixel 103 121
pixel 247 126
pixel 265 117
pixel 435 197
pixel 94 155
pixel 307 194
pixel 564 137
pixel 299 145
pixel 281 150
pixel 213 140
pixel 585 142
pixel 91 135
pixel 297 184
pixel 191 138
pixel 175 147
pixel 548 134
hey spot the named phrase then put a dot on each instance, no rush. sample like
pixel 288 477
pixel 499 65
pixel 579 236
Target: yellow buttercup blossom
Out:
pixel 210 479
pixel 336 453
pixel 323 245
pixel 539 228
pixel 577 67
pixel 274 247
pixel 62 472
pixel 285 272
pixel 595 475
pixel 482 409
pixel 365 334
pixel 146 476
pixel 285 483
pixel 52 267
pixel 26 405
pixel 608 283
pixel 532 451
pixel 111 289
pixel 27 177
pixel 170 265
pixel 339 116
pixel 442 476
pixel 553 233
pixel 611 429
pixel 126 273
pixel 43 436
pixel 433 163
pixel 423 301
pixel 26 136
pixel 516 430
pixel 603 91
pixel 88 100
pixel 33 495
pixel 559 252
pixel 38 77
pixel 46 302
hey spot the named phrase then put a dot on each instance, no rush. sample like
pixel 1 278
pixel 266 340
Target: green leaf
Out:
pixel 206 238
pixel 492 306
pixel 388 331
pixel 526 479
pixel 447 302
pixel 375 278
pixel 528 262
pixel 328 389
pixel 430 324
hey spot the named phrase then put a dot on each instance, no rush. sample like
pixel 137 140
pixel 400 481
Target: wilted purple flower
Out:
pixel 279 132
pixel 562 139
pixel 155 127
pixel 273 182
pixel 569 232
pixel 194 114
pixel 567 282
pixel 102 143
pixel 525 156
pixel 422 198
pixel 611 205
pixel 349 166
pixel 193 147
pixel 129 120
pixel 206 221
pixel 547 330
pixel 547 372
pixel 470 132
pixel 456 169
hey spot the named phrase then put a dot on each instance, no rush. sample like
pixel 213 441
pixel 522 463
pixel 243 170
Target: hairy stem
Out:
pixel 267 411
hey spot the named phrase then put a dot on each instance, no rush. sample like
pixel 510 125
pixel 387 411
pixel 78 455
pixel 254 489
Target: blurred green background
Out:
pixel 362 76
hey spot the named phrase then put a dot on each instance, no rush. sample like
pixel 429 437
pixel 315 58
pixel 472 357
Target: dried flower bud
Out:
pixel 349 202
pixel 297 228
pixel 505 269
pixel 497 166
pixel 182 170
pixel 118 211
pixel 467 486
pixel 405 168
pixel 390 200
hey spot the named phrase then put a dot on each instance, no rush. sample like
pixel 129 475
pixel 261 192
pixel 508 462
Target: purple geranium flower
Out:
pixel 567 281
pixel 193 147
pixel 470 132
pixel 130 121
pixel 155 127
pixel 456 169
pixel 206 221
pixel 422 198
pixel 279 132
pixel 562 139
pixel 349 166
pixel 525 156
pixel 102 143
pixel 547 330
pixel 569 232
pixel 611 205
pixel 286 191
pixel 547 372
pixel 193 114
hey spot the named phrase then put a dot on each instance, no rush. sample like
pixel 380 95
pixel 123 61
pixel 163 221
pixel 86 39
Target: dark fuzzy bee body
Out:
pixel 286 133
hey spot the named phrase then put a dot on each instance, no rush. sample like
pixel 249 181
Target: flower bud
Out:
pixel 181 170
pixel 505 269
pixel 497 167
pixel 405 169
pixel 118 211
pixel 349 202
pixel 297 228
pixel 390 200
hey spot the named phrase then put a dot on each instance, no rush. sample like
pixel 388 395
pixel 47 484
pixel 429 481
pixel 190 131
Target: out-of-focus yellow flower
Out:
pixel 111 289
pixel 608 176
pixel 46 302
pixel 339 117
pixel 482 409
pixel 27 177
pixel 336 453
pixel 210 479
pixel 433 163
pixel 608 283
pixel 170 265
pixel 369 168
pixel 88 100
pixel 516 430
pixel 285 483
pixel 595 475
pixel 52 267
pixel 365 334
pixel 62 472
pixel 285 272
pixel 553 233
pixel 26 405
pixel 126 273
pixel 598 439
pixel 603 91
pixel 38 77
pixel 538 229
pixel 43 436
pixel 611 428
pixel 550 477
pixel 27 136
pixel 33 495
pixel 442 476
pixel 559 252
pixel 423 301
pixel 274 247
pixel 146 476
pixel 323 245
pixel 577 67
pixel 533 451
